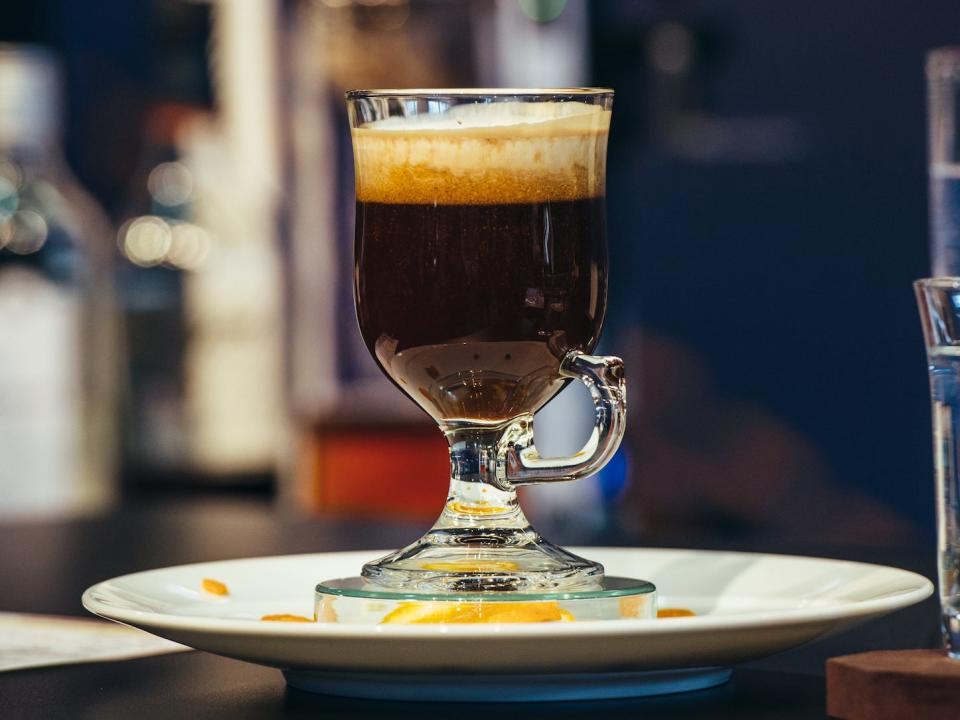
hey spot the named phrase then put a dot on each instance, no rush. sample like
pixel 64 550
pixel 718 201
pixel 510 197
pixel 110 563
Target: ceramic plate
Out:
pixel 747 606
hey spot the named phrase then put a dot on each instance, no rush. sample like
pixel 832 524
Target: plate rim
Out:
pixel 921 589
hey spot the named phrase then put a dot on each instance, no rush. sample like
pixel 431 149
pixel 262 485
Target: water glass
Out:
pixel 939 301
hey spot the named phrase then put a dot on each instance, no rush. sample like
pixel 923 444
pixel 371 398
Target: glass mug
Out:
pixel 480 285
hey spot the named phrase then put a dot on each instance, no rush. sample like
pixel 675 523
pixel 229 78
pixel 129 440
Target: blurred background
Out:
pixel 176 313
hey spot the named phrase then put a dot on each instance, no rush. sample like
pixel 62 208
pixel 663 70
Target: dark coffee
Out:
pixel 470 308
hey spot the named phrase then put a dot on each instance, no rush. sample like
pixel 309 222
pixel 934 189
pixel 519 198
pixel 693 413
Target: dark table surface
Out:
pixel 45 566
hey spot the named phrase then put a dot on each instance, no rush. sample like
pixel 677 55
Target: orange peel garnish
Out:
pixel 475 508
pixel 675 612
pixel 214 587
pixel 283 617
pixel 421 613
pixel 472 566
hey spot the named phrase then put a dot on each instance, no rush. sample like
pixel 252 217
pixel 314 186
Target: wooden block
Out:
pixel 894 685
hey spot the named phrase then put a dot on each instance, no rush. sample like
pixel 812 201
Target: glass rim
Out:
pixel 938 283
pixel 479 92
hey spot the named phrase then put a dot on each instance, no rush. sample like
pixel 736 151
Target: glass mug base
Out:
pixel 483 560
pixel 356 601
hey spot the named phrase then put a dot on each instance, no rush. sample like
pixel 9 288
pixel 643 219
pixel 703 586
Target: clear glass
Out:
pixel 939 301
pixel 480 284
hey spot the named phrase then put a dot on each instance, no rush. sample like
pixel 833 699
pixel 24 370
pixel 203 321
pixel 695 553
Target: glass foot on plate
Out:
pixel 356 601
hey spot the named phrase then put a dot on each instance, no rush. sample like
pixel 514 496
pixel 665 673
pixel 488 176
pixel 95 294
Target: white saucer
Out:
pixel 748 606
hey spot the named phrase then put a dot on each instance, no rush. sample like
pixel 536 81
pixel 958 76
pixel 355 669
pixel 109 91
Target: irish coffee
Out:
pixel 481 256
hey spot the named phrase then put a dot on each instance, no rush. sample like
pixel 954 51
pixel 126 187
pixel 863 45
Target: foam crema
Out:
pixel 483 154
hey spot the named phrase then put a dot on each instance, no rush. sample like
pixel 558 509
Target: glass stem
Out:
pixel 479 499
pixel 482 541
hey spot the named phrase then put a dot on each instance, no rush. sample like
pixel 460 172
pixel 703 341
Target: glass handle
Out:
pixel 604 378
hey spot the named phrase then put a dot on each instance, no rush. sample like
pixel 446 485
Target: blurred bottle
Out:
pixel 58 364
pixel 200 278
pixel 152 271
pixel 151 278
pixel 943 80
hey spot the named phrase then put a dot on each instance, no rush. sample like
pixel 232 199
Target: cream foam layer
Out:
pixel 485 154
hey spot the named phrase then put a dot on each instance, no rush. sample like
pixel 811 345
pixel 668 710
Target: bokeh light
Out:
pixel 24 233
pixel 149 241
pixel 9 199
pixel 189 247
pixel 170 183
pixel 146 240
